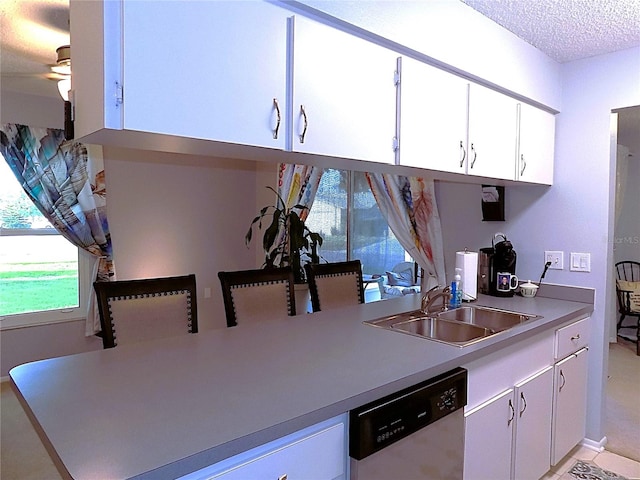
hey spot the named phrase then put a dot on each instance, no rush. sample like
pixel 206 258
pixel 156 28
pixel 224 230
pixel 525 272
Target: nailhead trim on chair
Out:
pixel 148 295
pixel 258 284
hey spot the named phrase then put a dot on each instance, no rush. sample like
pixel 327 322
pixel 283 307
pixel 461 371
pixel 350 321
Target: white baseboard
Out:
pixel 596 446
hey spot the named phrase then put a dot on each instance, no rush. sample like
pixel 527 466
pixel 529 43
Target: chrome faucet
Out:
pixel 432 296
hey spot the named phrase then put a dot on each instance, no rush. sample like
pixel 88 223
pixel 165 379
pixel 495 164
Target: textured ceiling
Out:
pixel 568 30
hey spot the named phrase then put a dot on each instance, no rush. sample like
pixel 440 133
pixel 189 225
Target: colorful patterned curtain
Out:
pixel 298 185
pixel 66 183
pixel 409 205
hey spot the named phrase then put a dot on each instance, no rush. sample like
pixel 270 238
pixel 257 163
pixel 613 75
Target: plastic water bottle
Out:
pixel 456 290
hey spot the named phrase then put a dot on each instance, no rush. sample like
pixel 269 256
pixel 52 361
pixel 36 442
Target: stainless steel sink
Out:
pixel 486 317
pixel 459 327
pixel 443 330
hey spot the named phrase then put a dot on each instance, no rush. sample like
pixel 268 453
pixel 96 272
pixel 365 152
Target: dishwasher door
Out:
pixel 415 434
pixel 435 452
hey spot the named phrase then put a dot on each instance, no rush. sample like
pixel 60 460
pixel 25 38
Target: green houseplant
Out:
pixel 286 239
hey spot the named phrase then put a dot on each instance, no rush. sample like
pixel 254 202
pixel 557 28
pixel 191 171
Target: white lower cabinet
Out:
pixel 570 404
pixel 488 435
pixel 317 452
pixel 532 433
pixel 509 436
pixel 569 388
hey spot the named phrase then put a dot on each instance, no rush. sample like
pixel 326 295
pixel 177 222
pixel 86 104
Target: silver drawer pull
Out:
pixel 282 477
pixel 575 337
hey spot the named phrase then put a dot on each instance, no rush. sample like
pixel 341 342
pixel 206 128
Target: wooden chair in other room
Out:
pixel 257 295
pixel 133 311
pixel 333 285
pixel 628 293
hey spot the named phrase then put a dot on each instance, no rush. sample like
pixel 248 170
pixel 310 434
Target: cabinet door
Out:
pixel 570 404
pixel 210 70
pixel 537 137
pixel 318 456
pixel 311 453
pixel 488 438
pixel 532 445
pixel 492 134
pixel 433 124
pixel 344 94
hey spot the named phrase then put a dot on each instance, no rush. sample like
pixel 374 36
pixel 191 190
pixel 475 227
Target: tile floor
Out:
pixel 606 460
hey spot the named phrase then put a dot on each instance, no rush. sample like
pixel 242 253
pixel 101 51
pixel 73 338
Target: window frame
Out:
pixel 85 270
pixel 350 221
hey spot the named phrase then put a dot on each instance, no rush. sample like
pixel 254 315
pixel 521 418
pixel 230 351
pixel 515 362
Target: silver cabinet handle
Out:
pixel 523 163
pixel 277 108
pixel 282 477
pixel 464 154
pixel 564 380
pixel 306 124
pixel 475 156
pixel 575 337
pixel 513 412
pixel 524 401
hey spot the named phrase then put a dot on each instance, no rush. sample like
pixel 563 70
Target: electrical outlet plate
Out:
pixel 556 258
pixel 580 262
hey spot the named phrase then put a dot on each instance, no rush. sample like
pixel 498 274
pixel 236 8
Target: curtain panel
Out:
pixel 298 185
pixel 409 206
pixel 66 181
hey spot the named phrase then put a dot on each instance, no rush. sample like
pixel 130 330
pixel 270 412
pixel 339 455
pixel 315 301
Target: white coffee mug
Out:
pixel 506 281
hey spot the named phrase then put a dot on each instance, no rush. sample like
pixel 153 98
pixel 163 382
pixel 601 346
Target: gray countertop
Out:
pixel 165 408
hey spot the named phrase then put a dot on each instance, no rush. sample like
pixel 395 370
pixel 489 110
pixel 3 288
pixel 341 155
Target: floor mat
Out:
pixel 588 471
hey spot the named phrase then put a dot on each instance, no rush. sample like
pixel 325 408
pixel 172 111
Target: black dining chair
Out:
pixel 133 311
pixel 257 295
pixel 628 293
pixel 333 285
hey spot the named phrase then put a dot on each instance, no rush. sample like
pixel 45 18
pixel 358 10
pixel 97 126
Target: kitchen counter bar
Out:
pixel 165 408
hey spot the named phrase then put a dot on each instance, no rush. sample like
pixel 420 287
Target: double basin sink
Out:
pixel 460 326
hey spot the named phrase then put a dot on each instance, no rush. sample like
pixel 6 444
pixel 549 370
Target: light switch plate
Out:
pixel 556 258
pixel 580 262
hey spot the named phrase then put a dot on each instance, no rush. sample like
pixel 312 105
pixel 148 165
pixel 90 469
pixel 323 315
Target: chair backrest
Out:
pixel 132 311
pixel 627 271
pixel 257 295
pixel 333 285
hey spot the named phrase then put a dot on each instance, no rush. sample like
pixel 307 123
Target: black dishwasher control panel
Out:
pixel 387 420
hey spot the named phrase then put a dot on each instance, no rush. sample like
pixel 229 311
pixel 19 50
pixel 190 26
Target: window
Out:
pixel 347 215
pixel 43 277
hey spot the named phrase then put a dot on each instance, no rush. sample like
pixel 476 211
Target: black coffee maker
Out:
pixel 500 258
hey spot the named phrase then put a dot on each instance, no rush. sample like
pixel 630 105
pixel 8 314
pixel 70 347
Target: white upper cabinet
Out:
pixel 492 133
pixel 344 94
pixel 433 117
pixel 218 78
pixel 209 70
pixel 537 136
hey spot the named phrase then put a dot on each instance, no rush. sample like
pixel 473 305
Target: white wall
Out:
pixel 174 215
pixel 35 111
pixel 627 230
